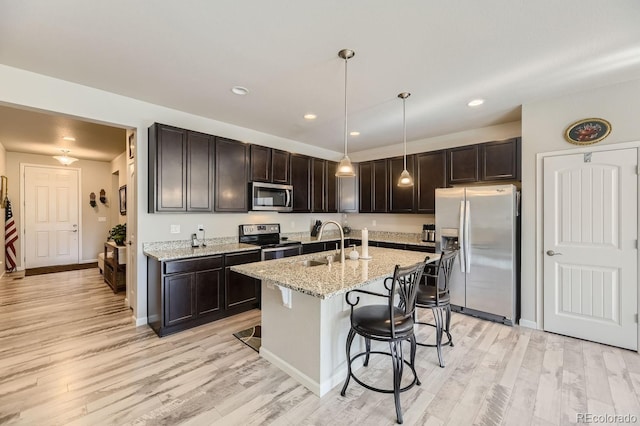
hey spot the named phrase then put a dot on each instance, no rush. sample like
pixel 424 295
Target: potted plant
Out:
pixel 118 234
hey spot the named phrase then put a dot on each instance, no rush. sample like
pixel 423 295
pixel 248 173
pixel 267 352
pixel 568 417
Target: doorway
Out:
pixel 51 229
pixel 589 245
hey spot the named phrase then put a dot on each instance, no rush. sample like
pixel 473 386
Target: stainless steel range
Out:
pixel 267 236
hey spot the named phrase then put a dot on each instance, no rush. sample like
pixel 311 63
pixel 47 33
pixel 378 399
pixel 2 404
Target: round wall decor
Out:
pixel 587 131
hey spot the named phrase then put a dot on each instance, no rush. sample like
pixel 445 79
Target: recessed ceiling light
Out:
pixel 69 138
pixel 310 116
pixel 475 102
pixel 239 90
pixel 354 133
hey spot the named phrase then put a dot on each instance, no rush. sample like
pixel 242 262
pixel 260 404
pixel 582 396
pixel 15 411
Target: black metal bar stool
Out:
pixel 392 322
pixel 434 295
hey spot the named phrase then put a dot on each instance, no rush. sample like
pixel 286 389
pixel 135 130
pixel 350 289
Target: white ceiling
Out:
pixel 188 54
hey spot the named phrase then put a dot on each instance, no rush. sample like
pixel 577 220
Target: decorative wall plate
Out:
pixel 587 131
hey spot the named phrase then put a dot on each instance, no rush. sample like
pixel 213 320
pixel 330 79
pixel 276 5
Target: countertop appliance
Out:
pixel 267 236
pixel 271 197
pixel 483 222
pixel 429 233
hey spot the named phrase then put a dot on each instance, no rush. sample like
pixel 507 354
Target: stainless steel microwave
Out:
pixel 271 197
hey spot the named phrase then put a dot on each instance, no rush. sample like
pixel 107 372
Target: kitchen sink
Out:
pixel 320 261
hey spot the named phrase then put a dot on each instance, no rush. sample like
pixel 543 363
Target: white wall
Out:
pixel 3 172
pixel 95 175
pixel 543 126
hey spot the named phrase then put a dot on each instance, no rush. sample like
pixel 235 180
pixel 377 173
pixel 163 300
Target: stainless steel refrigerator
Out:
pixel 483 222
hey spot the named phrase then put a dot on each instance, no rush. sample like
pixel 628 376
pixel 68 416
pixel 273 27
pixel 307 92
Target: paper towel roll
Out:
pixel 365 243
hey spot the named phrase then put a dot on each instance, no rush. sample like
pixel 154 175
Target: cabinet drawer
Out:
pixel 240 258
pixel 193 265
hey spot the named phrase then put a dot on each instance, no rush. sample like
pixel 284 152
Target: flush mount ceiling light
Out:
pixel 345 168
pixel 405 178
pixel 64 158
pixel 355 133
pixel 310 116
pixel 69 138
pixel 239 90
pixel 475 102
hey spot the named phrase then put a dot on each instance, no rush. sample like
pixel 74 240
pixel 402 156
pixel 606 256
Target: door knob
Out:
pixel 553 253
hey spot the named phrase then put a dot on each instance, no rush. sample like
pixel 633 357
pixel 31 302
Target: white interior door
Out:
pixel 51 216
pixel 590 237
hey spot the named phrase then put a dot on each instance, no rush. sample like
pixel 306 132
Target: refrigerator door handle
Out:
pixel 461 239
pixel 467 251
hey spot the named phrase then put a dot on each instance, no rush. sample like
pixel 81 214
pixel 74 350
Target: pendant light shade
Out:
pixel 405 179
pixel 345 168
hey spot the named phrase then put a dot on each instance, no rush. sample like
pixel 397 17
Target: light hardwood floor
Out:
pixel 69 354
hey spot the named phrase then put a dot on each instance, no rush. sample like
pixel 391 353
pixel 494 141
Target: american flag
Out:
pixel 10 238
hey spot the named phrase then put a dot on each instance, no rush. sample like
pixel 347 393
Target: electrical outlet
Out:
pixel 200 227
pixel 175 229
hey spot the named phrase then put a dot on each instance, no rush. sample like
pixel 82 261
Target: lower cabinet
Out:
pixel 186 293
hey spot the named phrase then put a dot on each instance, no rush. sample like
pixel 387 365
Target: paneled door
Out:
pixel 590 233
pixel 51 215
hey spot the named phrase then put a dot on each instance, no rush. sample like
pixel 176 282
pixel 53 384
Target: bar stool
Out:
pixel 392 322
pixel 436 297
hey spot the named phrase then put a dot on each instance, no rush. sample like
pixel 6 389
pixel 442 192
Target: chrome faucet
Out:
pixel 341 236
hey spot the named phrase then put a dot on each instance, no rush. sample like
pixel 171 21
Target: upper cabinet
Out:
pixel 486 162
pixel 374 186
pixel 500 160
pixel 301 182
pixel 462 164
pixel 431 173
pixel 180 170
pixel 269 165
pixel 401 199
pixel 324 195
pixel 232 159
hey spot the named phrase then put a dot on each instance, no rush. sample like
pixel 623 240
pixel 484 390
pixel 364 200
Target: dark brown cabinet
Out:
pixel 374 186
pixel 324 194
pixel 430 174
pixel 186 293
pixel 269 165
pixel 115 267
pixel 500 160
pixel 462 164
pixel 231 176
pixel 180 170
pixel 401 199
pixel 241 291
pixel 301 181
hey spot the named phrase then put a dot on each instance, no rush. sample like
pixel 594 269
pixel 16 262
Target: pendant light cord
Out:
pixel 404 130
pixel 346 60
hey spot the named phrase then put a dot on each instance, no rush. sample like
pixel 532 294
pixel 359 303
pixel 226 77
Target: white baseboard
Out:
pixel 528 324
pixel 139 321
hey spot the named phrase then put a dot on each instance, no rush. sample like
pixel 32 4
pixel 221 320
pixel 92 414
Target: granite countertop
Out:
pixel 326 281
pixel 164 252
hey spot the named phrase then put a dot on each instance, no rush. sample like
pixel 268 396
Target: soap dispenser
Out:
pixel 353 254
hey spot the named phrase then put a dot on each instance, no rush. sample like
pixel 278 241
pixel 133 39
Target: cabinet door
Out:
pixel 199 172
pixel 332 187
pixel 318 178
pixel 260 170
pixel 300 179
pixel 179 299
pixel 366 187
pixel 280 166
pixel 312 248
pixel 462 164
pixel 430 174
pixel 500 160
pixel 401 199
pixel 167 169
pixel 209 292
pixel 241 291
pixel 380 186
pixel 231 176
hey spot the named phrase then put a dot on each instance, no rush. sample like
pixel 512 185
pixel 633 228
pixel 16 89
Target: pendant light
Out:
pixel 405 178
pixel 345 168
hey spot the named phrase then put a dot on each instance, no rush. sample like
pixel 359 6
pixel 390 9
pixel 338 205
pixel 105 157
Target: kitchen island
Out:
pixel 305 319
